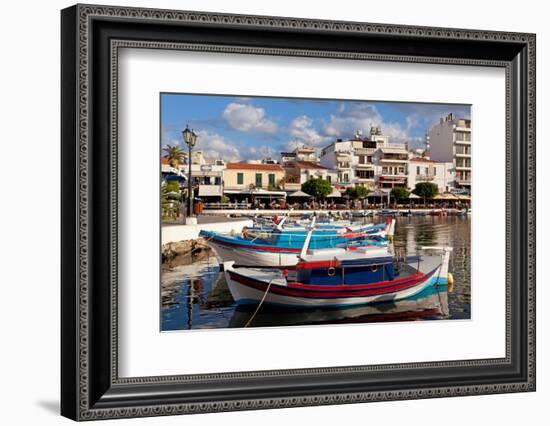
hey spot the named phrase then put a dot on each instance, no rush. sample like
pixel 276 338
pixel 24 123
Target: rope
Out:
pixel 260 304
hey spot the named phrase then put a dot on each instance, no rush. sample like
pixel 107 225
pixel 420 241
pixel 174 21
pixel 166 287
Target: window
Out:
pixel 240 178
pixel 329 179
pixel 272 179
pixel 258 180
pixel 417 170
pixel 365 174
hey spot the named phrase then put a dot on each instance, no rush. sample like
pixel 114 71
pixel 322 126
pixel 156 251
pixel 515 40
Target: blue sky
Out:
pixel 240 128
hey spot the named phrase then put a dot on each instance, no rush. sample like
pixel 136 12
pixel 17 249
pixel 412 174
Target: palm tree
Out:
pixel 174 154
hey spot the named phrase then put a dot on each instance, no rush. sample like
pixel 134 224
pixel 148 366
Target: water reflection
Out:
pixel 196 296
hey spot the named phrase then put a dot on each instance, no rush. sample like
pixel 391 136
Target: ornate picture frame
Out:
pixel 91 38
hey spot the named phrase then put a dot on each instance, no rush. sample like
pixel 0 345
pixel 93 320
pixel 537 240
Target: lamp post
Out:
pixel 190 138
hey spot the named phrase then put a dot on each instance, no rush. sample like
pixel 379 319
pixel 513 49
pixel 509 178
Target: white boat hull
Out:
pixel 244 257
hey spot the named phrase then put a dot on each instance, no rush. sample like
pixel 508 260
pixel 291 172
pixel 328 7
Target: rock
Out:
pixel 184 252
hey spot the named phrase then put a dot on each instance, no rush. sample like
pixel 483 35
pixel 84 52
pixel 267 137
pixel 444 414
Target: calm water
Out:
pixel 196 296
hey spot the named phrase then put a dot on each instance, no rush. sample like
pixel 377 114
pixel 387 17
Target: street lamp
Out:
pixel 190 138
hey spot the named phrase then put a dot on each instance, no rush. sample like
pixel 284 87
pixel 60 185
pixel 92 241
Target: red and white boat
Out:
pixel 331 279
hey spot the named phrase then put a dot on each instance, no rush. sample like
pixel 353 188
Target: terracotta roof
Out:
pixel 248 166
pixel 421 160
pixel 308 165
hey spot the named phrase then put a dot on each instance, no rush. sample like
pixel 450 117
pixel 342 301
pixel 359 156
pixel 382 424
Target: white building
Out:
pixel 299 172
pixel 451 141
pixel 424 170
pixel 371 162
pixel 207 175
pixel 300 153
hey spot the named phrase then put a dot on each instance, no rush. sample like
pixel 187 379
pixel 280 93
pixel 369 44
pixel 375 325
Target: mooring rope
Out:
pixel 260 304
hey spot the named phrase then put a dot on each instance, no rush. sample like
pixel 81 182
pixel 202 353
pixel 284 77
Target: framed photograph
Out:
pixel 263 212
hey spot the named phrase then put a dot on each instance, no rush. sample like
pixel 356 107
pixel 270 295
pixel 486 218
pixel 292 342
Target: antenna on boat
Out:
pixel 303 253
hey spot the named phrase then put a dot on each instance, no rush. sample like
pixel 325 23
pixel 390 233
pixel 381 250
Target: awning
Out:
pixel 299 194
pixel 259 193
pixel 210 191
pixel 378 194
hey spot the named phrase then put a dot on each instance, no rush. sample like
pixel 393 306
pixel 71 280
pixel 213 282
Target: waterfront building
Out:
pixel 299 172
pixel 421 169
pixel 372 162
pixel 244 176
pixel 392 161
pixel 451 141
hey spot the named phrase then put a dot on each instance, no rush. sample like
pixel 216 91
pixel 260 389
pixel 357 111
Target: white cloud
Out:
pixel 215 146
pixel 248 118
pixel 361 116
pixel 302 131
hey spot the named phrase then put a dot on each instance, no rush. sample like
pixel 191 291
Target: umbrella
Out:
pixel 411 195
pixel 299 194
pixel 377 194
pixel 445 196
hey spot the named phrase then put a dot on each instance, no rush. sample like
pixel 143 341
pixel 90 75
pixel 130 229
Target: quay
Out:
pixel 334 212
pixel 174 231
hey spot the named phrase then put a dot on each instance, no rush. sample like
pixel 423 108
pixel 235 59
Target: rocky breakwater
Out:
pixel 180 253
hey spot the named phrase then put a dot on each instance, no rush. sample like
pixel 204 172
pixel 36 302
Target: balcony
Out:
pixel 463 154
pixel 394 160
pixel 465 182
pixel 425 178
pixel 343 166
pixel 364 151
pixel 463 167
pixel 365 166
pixel 392 178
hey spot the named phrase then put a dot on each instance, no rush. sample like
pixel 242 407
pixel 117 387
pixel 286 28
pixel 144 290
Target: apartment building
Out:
pixel 392 162
pixel 299 172
pixel 422 169
pixel 451 141
pixel 367 161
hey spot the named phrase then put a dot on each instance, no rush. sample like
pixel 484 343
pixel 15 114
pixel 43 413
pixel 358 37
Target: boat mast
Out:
pixel 303 253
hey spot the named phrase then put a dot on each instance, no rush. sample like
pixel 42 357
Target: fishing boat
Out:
pixel 283 248
pixel 429 303
pixel 339 278
pixel 388 212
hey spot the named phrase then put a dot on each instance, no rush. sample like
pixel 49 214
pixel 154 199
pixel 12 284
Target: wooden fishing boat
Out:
pixel 283 248
pixel 331 279
pixel 429 303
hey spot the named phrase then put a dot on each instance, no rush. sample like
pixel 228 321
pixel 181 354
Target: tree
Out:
pixel 318 188
pixel 400 193
pixel 174 154
pixel 425 190
pixel 170 200
pixel 358 192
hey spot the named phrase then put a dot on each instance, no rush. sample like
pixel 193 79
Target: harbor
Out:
pixel 344 226
pixel 195 293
